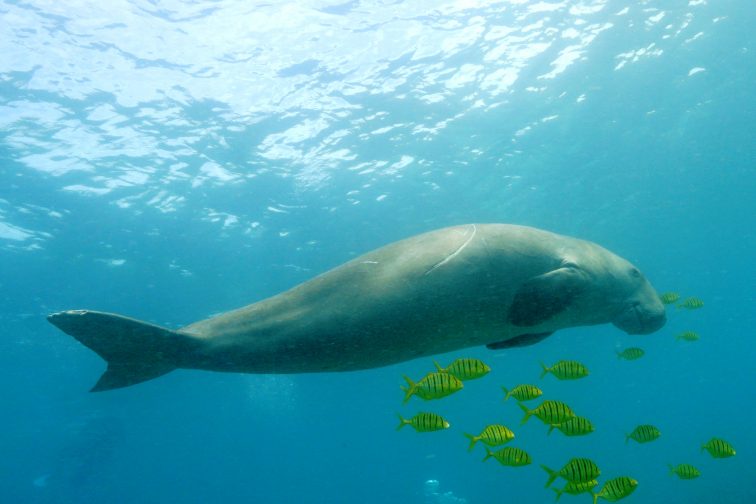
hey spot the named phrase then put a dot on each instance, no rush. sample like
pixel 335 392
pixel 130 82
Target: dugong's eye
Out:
pixel 635 273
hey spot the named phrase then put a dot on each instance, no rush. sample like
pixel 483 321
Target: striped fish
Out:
pixel 643 434
pixel 669 297
pixel 691 303
pixel 522 392
pixel 684 471
pixel 631 353
pixel 565 370
pixel 465 369
pixel 432 386
pixel 549 412
pixel 575 488
pixel 575 426
pixel 616 489
pixel 688 336
pixel 577 470
pixel 493 435
pixel 424 422
pixel 718 448
pixel 510 456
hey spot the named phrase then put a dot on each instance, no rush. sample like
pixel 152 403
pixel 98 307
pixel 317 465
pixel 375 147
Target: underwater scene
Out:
pixel 329 251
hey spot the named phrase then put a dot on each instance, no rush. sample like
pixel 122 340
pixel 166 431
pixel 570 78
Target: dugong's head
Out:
pixel 589 285
pixel 632 302
pixel 642 312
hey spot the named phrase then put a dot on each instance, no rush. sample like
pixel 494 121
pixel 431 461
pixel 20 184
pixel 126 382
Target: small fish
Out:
pixel 424 422
pixel 575 488
pixel 718 448
pixel 493 435
pixel 465 369
pixel 523 392
pixel 616 489
pixel 432 386
pixel 510 456
pixel 577 470
pixel 632 353
pixel 549 412
pixel 691 303
pixel 575 426
pixel 643 434
pixel 688 336
pixel 565 370
pixel 669 297
pixel 684 471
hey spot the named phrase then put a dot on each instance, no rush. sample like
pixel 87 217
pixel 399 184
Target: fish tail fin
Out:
pixel 438 367
pixel 402 421
pixel 671 469
pixel 619 354
pixel 528 413
pixel 627 438
pixel 489 454
pixel 703 447
pixel 506 392
pixel 409 389
pixel 472 439
pixel 558 493
pixel 135 351
pixel 551 428
pixel 545 370
pixel 552 475
pixel 595 497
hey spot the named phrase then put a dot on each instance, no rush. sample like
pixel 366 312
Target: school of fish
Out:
pixel 579 473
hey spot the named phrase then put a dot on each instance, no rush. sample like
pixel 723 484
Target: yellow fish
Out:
pixel 565 370
pixel 691 303
pixel 575 426
pixel 432 386
pixel 523 392
pixel 688 336
pixel 685 471
pixel 424 422
pixel 493 435
pixel 575 488
pixel 718 448
pixel 669 297
pixel 577 470
pixel 465 369
pixel 510 456
pixel 549 412
pixel 632 353
pixel 643 434
pixel 616 489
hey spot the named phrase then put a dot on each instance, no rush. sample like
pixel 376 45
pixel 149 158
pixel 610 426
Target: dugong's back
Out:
pixel 431 293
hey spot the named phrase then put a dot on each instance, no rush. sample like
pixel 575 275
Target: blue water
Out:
pixel 173 160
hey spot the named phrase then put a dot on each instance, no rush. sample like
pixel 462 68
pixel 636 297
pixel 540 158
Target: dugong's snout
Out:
pixel 639 318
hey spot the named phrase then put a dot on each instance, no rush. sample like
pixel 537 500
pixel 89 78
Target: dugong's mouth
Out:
pixel 638 319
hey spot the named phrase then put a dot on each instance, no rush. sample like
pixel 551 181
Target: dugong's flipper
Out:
pixel 135 351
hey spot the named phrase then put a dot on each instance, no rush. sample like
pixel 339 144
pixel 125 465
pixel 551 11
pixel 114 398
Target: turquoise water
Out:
pixel 173 160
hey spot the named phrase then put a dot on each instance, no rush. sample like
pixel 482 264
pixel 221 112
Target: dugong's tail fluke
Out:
pixel 135 351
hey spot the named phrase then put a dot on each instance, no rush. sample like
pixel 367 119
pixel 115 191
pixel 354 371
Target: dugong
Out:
pixel 498 285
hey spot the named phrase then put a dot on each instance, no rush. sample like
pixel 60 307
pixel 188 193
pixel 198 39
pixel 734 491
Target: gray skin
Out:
pixel 432 293
pixel 478 284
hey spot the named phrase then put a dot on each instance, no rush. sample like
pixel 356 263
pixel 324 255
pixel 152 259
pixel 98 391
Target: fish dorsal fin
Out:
pixel 541 298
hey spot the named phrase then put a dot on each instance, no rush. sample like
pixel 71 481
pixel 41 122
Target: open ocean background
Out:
pixel 169 160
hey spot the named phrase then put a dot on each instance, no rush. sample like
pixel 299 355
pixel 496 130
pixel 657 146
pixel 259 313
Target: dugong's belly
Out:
pixel 343 341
